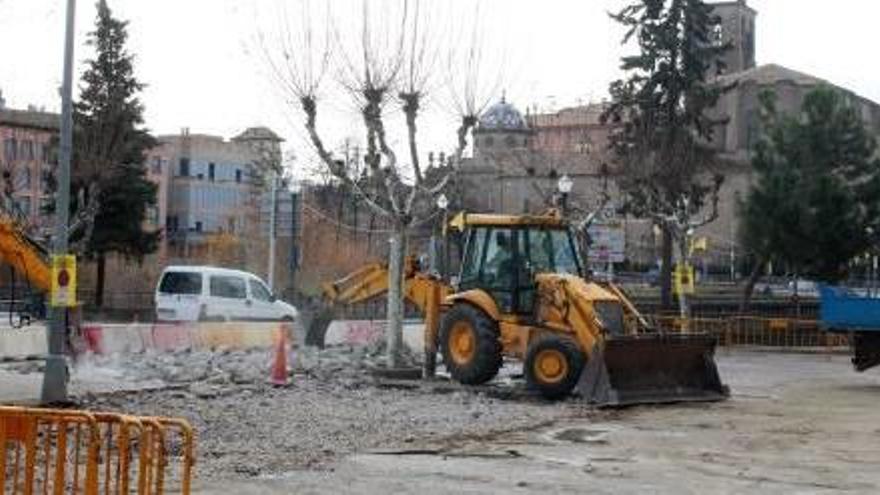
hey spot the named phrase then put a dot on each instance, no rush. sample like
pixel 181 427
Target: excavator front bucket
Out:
pixel 654 368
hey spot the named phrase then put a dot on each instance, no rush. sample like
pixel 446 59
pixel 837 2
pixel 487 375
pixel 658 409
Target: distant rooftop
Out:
pixel 589 114
pixel 258 134
pixel 33 119
pixel 768 74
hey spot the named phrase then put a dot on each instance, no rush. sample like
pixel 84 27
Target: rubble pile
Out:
pixel 241 367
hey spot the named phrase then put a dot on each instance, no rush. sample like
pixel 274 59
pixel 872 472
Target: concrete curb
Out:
pixel 358 333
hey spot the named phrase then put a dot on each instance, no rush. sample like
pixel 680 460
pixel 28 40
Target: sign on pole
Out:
pixel 608 238
pixel 684 279
pixel 63 292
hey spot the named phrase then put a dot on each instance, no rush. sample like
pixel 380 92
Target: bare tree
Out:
pixel 387 66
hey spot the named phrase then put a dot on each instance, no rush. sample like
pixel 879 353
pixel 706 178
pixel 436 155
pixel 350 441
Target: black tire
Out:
pixel 565 347
pixel 318 327
pixel 486 358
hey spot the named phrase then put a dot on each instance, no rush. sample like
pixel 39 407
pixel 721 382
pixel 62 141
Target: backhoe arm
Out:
pixel 423 290
pixel 371 281
pixel 24 255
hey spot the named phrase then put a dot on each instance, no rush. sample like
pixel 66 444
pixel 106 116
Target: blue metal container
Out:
pixel 842 310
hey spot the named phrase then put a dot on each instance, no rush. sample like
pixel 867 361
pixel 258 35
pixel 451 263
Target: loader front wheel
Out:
pixel 469 342
pixel 553 366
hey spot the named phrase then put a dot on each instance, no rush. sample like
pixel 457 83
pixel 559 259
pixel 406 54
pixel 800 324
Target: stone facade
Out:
pixel 27 158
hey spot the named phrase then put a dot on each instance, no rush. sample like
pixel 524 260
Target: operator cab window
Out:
pixel 470 267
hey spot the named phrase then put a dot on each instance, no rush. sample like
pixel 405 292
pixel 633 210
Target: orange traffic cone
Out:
pixel 279 365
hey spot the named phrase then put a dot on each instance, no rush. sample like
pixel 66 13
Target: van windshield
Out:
pixel 181 283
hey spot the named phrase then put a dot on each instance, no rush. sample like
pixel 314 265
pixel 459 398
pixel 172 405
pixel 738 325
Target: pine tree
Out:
pixel 816 202
pixel 109 150
pixel 660 110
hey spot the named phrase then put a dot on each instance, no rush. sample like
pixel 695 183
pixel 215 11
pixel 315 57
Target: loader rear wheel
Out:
pixel 553 366
pixel 469 342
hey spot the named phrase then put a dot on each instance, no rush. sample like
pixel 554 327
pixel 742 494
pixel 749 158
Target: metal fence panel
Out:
pixel 60 452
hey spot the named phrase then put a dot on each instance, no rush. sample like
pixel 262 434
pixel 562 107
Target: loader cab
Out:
pixel 504 259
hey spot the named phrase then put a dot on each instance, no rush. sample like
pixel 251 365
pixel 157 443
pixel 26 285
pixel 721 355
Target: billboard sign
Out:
pixel 608 238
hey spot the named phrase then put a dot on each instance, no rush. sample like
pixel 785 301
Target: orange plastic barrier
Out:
pixel 79 452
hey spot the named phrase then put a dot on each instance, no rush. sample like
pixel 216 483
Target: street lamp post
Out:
pixel 273 207
pixel 55 377
pixel 443 204
pixel 564 185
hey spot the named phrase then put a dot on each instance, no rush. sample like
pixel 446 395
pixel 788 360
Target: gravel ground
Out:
pixel 796 423
pixel 333 407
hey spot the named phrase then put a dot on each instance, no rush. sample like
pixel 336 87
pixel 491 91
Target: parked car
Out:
pixel 198 293
pixel 803 288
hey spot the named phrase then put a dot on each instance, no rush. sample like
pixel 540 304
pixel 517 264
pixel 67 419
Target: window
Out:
pixel 717 35
pixel 181 283
pixel 238 176
pixel 22 178
pixel 27 150
pixel 10 149
pixel 156 167
pixel 152 215
pixel 23 205
pixel 228 287
pixel 47 181
pixel 184 167
pixel 259 291
pixel 499 268
pixel 470 269
pixel 211 171
pixel 198 226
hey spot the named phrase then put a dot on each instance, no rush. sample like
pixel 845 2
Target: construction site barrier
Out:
pixel 755 331
pixel 78 452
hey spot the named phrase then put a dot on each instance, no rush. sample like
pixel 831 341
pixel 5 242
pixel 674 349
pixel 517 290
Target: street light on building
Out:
pixel 564 185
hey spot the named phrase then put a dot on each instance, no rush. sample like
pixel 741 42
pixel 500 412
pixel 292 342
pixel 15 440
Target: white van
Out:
pixel 197 293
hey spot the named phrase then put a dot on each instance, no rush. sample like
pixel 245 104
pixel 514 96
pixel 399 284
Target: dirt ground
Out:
pixel 796 423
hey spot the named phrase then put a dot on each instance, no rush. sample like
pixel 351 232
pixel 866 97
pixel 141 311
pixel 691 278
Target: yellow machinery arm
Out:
pixel 371 281
pixel 423 290
pixel 24 255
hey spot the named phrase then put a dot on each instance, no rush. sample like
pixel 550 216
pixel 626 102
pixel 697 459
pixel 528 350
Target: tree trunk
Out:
pixel 666 271
pixel 750 284
pixel 99 280
pixel 394 331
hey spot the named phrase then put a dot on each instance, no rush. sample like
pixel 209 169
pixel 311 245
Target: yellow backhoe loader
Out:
pixel 521 293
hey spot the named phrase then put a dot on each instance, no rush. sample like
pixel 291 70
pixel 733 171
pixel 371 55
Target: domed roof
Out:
pixel 502 116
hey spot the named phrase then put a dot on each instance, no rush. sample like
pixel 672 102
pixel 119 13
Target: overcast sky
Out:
pixel 198 57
